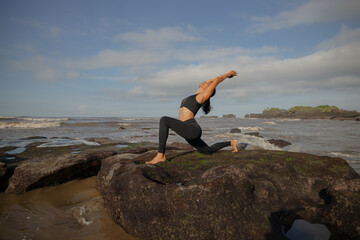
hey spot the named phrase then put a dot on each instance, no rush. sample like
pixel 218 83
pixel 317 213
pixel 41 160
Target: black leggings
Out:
pixel 191 131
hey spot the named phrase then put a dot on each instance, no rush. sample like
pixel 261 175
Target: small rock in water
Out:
pixel 33 138
pixel 242 146
pixel 279 143
pixel 255 134
pixel 235 130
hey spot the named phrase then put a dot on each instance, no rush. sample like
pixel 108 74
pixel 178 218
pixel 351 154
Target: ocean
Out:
pixel 321 137
pixel 79 212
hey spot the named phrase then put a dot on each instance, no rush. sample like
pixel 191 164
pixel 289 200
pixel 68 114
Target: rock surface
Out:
pixel 228 195
pixel 51 170
pixel 229 116
pixel 307 113
pixel 279 142
pixel 38 167
pixel 235 130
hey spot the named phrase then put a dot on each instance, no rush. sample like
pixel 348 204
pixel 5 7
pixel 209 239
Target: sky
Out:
pixel 133 58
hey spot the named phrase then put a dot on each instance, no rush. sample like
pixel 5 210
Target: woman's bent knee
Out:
pixel 164 120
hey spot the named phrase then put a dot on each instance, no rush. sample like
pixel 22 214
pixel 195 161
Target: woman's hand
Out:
pixel 231 74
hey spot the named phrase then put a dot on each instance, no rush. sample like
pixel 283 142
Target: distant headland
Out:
pixel 308 112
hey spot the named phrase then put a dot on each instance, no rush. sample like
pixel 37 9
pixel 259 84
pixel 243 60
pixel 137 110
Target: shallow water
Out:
pixel 69 211
pixel 303 230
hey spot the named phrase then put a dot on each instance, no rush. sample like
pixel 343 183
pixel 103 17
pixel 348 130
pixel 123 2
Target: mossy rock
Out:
pixel 229 195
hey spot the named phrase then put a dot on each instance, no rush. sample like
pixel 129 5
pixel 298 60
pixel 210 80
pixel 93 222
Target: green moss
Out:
pixel 272 110
pixel 133 145
pixel 301 109
pixel 300 170
pixel 203 161
pixel 281 153
pixel 327 108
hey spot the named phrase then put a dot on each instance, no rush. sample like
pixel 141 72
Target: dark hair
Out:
pixel 206 107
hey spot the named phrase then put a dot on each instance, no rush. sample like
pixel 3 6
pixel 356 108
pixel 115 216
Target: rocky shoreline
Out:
pixel 300 112
pixel 252 194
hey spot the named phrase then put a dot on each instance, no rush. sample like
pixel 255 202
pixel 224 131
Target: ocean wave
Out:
pixel 253 141
pixel 62 142
pixel 6 125
pixel 29 122
pixel 249 128
pixel 124 124
pixel 351 155
pixel 289 119
pixel 269 122
pixel 93 124
pixel 38 119
pixel 46 142
pixel 2 117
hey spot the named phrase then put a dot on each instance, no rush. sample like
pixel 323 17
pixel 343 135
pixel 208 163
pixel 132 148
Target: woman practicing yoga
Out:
pixel 186 126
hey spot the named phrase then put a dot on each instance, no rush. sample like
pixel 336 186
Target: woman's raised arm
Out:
pixel 221 78
pixel 214 82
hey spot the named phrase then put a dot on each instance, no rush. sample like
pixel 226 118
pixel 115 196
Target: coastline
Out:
pixel 324 112
pixel 82 147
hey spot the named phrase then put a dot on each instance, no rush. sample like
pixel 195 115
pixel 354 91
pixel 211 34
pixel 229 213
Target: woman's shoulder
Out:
pixel 200 98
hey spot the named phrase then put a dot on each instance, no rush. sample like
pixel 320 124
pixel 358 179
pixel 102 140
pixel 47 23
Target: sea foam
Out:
pixel 27 122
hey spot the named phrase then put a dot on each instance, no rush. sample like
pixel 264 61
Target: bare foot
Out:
pixel 160 157
pixel 234 145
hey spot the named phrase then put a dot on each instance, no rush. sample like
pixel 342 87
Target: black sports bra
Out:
pixel 191 104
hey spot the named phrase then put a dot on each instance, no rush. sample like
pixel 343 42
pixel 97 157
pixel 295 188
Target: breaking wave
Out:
pixel 348 155
pixel 27 122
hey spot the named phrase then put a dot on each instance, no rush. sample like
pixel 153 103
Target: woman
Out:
pixel 186 126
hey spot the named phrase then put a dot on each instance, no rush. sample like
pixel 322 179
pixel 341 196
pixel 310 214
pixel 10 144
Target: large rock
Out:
pixel 53 169
pixel 38 167
pixel 228 195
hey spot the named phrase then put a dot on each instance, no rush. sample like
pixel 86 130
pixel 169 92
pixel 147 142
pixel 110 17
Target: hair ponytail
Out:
pixel 206 107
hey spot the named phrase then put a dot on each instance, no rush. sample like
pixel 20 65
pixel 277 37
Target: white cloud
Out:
pixel 334 66
pixel 345 36
pixel 156 46
pixel 157 38
pixel 111 58
pixel 40 67
pixel 219 53
pixel 335 69
pixel 311 12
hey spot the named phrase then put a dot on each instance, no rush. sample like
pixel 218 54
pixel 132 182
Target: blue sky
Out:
pixel 140 58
